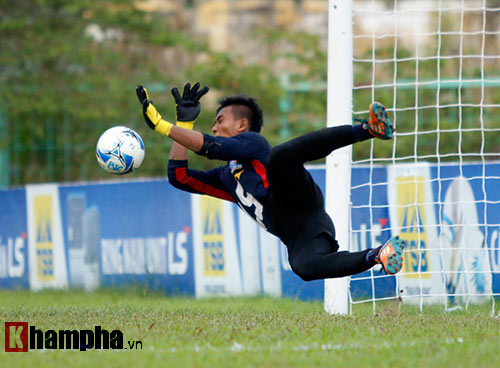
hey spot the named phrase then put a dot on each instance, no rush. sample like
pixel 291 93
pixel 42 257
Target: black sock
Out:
pixel 370 256
pixel 360 134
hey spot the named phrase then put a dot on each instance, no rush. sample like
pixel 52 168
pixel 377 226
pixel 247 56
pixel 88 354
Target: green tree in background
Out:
pixel 69 70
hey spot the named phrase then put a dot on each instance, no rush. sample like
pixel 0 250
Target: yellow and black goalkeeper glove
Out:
pixel 188 106
pixel 151 115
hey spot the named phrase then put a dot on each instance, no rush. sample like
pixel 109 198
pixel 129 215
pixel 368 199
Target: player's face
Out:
pixel 226 125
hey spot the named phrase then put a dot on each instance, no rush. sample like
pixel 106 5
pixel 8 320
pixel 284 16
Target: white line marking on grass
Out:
pixel 237 347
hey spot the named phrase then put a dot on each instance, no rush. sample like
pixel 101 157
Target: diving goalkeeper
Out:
pixel 271 184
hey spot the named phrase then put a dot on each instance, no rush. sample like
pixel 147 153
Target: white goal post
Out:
pixel 435 65
pixel 339 111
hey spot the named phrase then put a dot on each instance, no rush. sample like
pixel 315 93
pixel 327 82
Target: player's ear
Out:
pixel 243 125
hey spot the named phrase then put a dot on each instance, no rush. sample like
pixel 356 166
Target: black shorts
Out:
pixel 299 218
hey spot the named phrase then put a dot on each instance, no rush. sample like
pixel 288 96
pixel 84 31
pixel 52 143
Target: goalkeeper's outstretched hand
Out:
pixel 151 115
pixel 188 106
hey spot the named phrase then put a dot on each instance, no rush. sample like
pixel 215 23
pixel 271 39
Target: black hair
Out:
pixel 244 107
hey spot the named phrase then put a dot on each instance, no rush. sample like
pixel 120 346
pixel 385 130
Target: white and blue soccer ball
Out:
pixel 120 150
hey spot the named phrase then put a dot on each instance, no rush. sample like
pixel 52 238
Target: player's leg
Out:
pixel 290 183
pixel 318 258
pixel 285 170
pixel 316 145
pixel 321 143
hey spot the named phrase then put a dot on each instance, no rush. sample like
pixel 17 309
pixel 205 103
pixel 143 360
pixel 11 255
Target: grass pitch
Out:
pixel 251 332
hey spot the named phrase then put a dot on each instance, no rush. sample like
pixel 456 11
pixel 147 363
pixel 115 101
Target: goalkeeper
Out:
pixel 271 184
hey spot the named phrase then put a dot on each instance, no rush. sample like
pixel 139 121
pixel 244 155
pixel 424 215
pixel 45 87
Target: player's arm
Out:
pixel 242 147
pixel 194 181
pixel 178 152
pixel 188 109
pixel 184 139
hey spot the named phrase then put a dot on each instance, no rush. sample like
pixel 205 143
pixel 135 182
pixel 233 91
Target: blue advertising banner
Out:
pixel 468 209
pixel 148 233
pixel 14 270
pixel 128 233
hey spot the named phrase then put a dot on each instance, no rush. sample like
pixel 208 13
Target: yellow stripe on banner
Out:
pixel 44 238
pixel 212 220
pixel 411 199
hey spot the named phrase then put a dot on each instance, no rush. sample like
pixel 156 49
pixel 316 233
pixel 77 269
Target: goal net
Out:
pixel 435 64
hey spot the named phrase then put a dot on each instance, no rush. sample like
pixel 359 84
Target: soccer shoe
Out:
pixel 391 255
pixel 378 124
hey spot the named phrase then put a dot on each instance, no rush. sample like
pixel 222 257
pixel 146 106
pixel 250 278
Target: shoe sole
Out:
pixel 378 112
pixel 394 262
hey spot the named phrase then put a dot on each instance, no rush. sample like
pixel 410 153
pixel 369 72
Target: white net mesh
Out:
pixel 436 67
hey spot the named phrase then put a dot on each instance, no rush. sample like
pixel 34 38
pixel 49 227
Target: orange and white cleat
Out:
pixel 391 255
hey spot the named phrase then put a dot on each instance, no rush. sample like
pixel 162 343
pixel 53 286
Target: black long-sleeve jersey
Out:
pixel 242 180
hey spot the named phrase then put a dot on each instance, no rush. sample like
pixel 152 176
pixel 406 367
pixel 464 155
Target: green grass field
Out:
pixel 251 332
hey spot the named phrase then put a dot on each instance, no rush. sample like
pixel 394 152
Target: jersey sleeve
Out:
pixel 242 147
pixel 194 181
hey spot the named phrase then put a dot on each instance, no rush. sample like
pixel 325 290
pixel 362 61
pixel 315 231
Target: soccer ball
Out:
pixel 120 150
